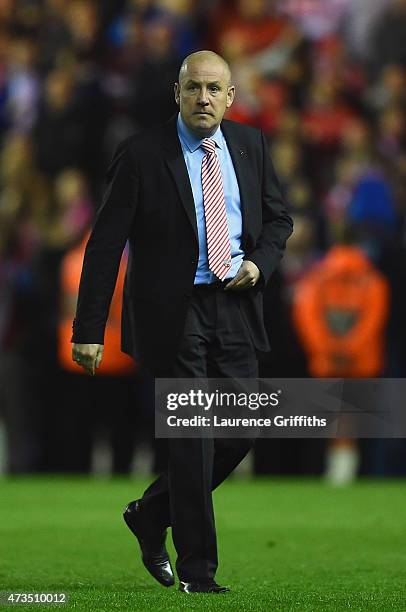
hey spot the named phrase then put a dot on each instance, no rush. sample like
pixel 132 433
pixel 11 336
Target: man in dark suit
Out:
pixel 200 204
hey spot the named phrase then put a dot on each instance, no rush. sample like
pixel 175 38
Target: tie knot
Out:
pixel 208 145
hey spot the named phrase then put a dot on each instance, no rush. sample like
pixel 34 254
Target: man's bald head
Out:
pixel 201 58
pixel 204 92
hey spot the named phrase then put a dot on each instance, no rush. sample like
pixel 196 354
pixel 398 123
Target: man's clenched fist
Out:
pixel 247 276
pixel 88 356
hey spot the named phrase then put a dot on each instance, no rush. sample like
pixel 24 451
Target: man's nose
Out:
pixel 203 98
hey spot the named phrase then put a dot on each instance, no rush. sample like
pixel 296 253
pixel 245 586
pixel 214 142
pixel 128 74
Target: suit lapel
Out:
pixel 239 156
pixel 176 163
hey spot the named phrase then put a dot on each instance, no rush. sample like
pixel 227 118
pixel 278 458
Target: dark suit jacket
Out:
pixel 149 201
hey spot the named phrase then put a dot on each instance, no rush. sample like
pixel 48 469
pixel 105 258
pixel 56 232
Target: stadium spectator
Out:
pixel 24 201
pixel 316 18
pixel 340 312
pixel 23 86
pixel 359 20
pixel 387 38
pixel 86 403
pixel 246 27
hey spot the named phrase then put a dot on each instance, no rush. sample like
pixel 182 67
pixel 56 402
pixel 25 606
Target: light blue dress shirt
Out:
pixel 193 154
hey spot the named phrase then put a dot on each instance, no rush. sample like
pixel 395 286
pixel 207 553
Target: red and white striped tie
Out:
pixel 218 240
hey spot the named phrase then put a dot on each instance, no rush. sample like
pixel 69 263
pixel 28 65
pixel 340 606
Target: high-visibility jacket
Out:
pixel 340 311
pixel 114 362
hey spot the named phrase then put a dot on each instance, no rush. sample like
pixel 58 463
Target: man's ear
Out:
pixel 230 96
pixel 176 90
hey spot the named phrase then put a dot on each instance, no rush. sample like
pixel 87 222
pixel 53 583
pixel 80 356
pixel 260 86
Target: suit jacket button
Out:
pixel 186 296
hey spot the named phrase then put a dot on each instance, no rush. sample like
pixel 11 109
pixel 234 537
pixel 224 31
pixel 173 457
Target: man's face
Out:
pixel 203 95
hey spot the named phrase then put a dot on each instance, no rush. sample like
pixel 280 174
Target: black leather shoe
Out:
pixel 154 554
pixel 202 587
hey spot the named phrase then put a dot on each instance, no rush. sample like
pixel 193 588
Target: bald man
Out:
pixel 200 205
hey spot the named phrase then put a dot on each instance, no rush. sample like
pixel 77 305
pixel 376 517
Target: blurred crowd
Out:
pixel 324 79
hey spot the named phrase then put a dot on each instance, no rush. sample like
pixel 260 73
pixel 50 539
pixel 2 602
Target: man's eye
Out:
pixel 214 89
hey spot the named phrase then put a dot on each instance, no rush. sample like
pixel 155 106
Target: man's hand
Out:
pixel 247 277
pixel 88 356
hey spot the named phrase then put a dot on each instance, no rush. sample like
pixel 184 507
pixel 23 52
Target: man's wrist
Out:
pixel 86 335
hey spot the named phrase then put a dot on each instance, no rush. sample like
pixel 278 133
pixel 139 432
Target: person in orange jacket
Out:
pixel 115 363
pixel 340 312
pixel 88 415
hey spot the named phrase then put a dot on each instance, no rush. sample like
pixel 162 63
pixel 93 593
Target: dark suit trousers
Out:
pixel 216 344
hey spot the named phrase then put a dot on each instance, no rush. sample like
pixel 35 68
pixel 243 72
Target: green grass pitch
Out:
pixel 283 545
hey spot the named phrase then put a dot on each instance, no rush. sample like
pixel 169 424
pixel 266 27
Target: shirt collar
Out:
pixel 191 141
